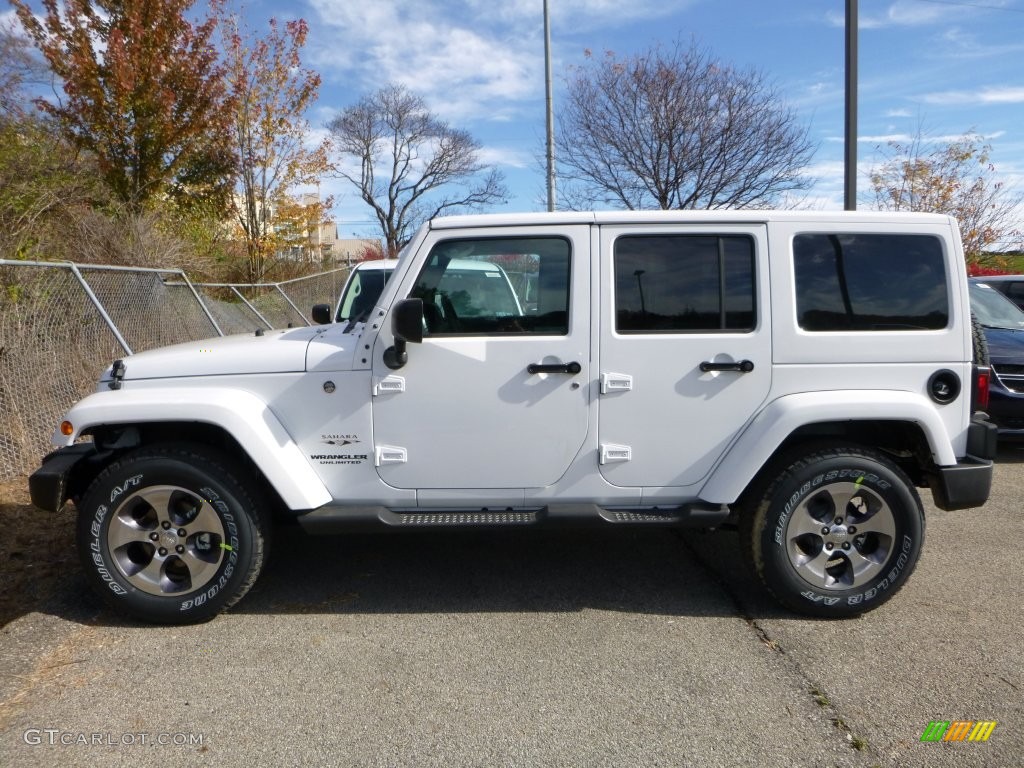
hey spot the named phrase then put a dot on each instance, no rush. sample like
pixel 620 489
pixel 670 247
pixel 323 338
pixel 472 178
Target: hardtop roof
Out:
pixel 731 216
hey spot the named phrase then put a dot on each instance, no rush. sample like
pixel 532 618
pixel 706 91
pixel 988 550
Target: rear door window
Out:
pixel 684 284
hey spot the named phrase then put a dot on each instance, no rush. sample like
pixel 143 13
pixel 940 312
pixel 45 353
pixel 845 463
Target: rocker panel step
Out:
pixel 339 519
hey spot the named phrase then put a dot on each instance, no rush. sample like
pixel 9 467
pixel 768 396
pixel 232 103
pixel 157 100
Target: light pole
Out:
pixel 548 100
pixel 850 164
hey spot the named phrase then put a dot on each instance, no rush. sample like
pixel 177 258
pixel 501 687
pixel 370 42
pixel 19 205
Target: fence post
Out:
pixel 250 306
pixel 99 307
pixel 280 290
pixel 201 302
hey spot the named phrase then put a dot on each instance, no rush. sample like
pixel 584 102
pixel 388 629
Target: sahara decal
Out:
pixel 339 440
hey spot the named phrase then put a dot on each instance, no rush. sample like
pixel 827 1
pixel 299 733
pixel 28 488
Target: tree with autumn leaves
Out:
pixel 145 94
pixel 270 93
pixel 201 122
pixel 955 177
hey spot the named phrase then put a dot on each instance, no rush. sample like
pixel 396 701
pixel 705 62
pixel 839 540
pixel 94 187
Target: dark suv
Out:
pixel 1011 286
pixel 1003 323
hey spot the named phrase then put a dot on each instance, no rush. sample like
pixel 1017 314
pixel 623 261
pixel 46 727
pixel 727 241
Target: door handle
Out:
pixel 743 366
pixel 571 368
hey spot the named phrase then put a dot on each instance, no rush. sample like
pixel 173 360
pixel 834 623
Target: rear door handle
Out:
pixel 743 366
pixel 571 368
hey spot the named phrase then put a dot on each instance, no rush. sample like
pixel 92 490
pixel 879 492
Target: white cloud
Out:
pixel 505 157
pixel 884 139
pixel 470 59
pixel 463 70
pixel 982 96
pixel 899 113
pixel 911 13
pixel 903 13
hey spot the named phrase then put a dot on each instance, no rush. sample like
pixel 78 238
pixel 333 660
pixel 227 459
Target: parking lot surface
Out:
pixel 535 648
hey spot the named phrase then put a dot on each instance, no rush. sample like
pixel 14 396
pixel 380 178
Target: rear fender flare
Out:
pixel 781 417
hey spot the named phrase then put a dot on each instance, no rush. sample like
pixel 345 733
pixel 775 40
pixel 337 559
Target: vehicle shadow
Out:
pixel 638 571
pixel 644 571
pixel 1010 453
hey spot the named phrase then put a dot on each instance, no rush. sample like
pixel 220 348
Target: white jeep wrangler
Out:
pixel 800 374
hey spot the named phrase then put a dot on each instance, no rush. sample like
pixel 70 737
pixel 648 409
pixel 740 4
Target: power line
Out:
pixel 974 5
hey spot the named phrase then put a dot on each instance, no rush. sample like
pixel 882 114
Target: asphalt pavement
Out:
pixel 536 648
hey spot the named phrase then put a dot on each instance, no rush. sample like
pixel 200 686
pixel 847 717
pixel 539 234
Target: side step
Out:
pixel 340 519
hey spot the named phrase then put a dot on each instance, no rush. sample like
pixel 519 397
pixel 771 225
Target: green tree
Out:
pixel 145 94
pixel 953 177
pixel 41 181
pixel 271 92
pixel 408 165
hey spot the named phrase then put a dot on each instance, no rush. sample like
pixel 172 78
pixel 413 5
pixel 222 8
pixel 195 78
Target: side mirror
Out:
pixel 407 320
pixel 407 326
pixel 321 314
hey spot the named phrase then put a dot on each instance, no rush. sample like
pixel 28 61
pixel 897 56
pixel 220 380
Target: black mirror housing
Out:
pixel 321 314
pixel 407 320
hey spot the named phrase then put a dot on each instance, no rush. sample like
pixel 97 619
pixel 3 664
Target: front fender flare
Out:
pixel 781 417
pixel 241 414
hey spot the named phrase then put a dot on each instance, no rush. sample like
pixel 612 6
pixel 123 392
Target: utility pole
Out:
pixel 850 165
pixel 550 108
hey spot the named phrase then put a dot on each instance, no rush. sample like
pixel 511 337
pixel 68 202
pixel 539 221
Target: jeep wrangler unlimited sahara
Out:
pixel 799 374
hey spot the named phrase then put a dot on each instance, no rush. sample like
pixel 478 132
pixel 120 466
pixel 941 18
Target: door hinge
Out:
pixel 389 385
pixel 611 453
pixel 389 454
pixel 616 382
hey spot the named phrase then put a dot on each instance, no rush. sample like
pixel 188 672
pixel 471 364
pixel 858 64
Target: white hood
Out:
pixel 273 352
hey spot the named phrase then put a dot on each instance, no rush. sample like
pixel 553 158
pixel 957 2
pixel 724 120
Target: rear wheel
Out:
pixel 170 534
pixel 837 532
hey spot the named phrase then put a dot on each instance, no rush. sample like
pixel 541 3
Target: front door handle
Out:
pixel 743 366
pixel 571 368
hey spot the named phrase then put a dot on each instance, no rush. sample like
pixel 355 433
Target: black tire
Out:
pixel 979 343
pixel 836 532
pixel 170 534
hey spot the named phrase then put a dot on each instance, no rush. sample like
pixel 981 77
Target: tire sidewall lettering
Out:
pixel 798 496
pixel 908 531
pixel 107 571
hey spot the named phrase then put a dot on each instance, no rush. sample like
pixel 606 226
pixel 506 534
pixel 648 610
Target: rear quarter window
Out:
pixel 870 282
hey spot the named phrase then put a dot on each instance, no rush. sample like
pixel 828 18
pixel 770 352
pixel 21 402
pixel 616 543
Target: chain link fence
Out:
pixel 61 324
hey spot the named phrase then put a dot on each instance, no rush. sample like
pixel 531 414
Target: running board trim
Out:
pixel 342 518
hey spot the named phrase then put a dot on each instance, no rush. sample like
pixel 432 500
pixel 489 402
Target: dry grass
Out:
pixel 37 551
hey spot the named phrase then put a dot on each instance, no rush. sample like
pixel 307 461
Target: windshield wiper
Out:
pixel 360 318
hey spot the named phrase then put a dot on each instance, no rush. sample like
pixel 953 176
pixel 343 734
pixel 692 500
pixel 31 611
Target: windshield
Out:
pixel 362 292
pixel 994 310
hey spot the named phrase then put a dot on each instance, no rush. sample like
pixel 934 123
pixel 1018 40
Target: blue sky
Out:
pixel 946 65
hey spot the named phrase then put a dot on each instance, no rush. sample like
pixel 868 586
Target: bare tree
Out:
pixel 407 164
pixel 674 128
pixel 953 177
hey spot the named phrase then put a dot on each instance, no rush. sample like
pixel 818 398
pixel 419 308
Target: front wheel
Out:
pixel 169 534
pixel 837 532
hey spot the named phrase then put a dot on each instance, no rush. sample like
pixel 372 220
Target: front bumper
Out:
pixel 1006 409
pixel 62 476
